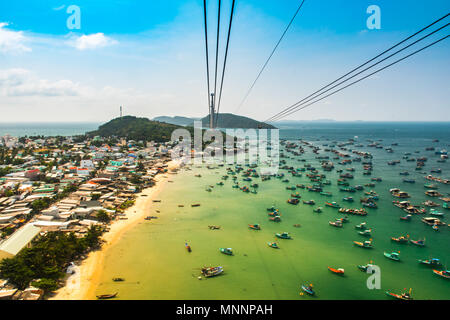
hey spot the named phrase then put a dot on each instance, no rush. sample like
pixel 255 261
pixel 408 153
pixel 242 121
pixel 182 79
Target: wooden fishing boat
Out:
pixel 106 296
pixel 310 202
pixel 444 274
pixel 361 226
pixel 366 233
pixel 432 262
pixel 420 243
pixel 274 214
pixel 365 244
pixel 365 267
pixel 275 219
pixel 406 218
pixel 337 224
pixel 308 289
pixel 214 227
pixel 436 213
pixel 403 296
pixel 348 199
pixel 339 271
pixel 272 209
pixel 188 247
pixel 273 245
pixel 284 235
pixel 293 201
pixel 209 272
pixel 395 256
pixel 318 210
pixel 327 194
pixel 118 279
pixel 332 205
pixel 227 251
pixel 254 226
pixel 401 239
pixel 296 195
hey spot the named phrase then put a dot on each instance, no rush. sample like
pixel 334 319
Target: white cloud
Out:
pixel 22 83
pixel 12 41
pixel 92 41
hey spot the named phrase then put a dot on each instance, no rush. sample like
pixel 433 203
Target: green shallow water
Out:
pixel 153 260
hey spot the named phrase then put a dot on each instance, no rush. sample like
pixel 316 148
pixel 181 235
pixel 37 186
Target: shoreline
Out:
pixel 83 283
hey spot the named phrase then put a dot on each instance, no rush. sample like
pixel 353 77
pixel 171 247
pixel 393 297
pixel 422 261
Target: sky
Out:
pixel 149 56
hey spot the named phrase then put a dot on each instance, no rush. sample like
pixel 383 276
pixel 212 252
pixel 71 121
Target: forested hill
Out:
pixel 134 128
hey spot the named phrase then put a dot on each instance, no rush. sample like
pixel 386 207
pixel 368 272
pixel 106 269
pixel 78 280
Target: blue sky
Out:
pixel 149 56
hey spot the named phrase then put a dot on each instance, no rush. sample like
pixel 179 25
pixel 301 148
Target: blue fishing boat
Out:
pixel 308 289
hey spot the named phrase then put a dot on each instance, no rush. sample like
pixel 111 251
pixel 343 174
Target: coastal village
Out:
pixel 68 185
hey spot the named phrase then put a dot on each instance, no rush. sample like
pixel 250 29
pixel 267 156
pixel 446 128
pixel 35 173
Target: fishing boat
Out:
pixel 209 272
pixel 293 201
pixel 361 226
pixel 293 188
pixel 310 202
pixel 366 233
pixel 118 279
pixel 365 267
pixel 273 245
pixel 372 205
pixel 444 274
pixel 188 247
pixel 409 180
pixel 332 204
pixel 283 235
pixel 343 220
pixel 402 296
pixel 106 296
pixel 339 271
pixel 296 195
pixel 432 262
pixel 420 243
pixel 214 227
pixel 348 199
pixel 401 239
pixel 337 224
pixel 220 183
pixel 434 212
pixel 227 251
pixel 254 226
pixel 274 214
pixel 275 219
pixel 348 189
pixel 327 194
pixel 365 244
pixel 308 289
pixel 272 209
pixel 433 193
pixel 406 218
pixel 393 256
pixel 318 210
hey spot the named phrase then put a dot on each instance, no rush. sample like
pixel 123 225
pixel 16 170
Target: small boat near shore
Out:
pixel 254 226
pixel 444 274
pixel 395 256
pixel 211 271
pixel 365 244
pixel 226 251
pixel 273 245
pixel 402 296
pixel 106 296
pixel 339 271
pixel 308 289
pixel 283 235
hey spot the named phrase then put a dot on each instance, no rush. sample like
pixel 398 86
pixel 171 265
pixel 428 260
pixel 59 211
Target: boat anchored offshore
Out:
pixel 402 296
pixel 283 235
pixel 444 274
pixel 254 226
pixel 106 296
pixel 339 271
pixel 308 289
pixel 365 244
pixel 227 251
pixel 420 243
pixel 273 245
pixel 393 256
pixel 211 271
pixel 432 262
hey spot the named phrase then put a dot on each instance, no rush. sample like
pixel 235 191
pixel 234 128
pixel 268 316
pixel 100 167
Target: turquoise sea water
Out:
pixel 46 129
pixel 153 260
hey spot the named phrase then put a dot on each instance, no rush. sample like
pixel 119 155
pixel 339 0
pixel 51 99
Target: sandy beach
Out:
pixel 82 284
